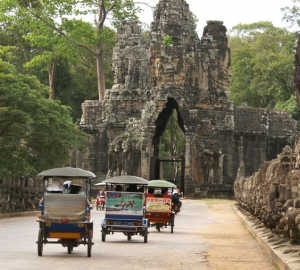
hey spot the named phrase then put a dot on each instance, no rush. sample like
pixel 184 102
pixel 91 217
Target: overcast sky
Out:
pixel 231 12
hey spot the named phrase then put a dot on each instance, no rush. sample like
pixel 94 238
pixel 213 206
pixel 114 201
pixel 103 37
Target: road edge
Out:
pixel 261 238
pixel 18 214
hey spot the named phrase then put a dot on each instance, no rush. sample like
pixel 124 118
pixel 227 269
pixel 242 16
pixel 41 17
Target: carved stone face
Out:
pixel 196 75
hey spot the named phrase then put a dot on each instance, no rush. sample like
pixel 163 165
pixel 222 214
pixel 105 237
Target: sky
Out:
pixel 231 12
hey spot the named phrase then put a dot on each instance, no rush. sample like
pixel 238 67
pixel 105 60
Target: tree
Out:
pixel 74 84
pixel 292 14
pixel 262 64
pixel 172 146
pixel 52 21
pixel 11 37
pixel 35 133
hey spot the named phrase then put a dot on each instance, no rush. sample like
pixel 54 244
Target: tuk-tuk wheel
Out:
pixel 40 242
pixel 103 235
pixel 146 236
pixel 70 249
pixel 128 236
pixel 172 224
pixel 89 245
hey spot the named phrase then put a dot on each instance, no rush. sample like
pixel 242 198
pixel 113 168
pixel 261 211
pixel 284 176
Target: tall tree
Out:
pixel 12 37
pixel 35 133
pixel 53 20
pixel 262 64
pixel 292 14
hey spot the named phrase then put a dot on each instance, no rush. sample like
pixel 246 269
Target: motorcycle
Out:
pixel 100 203
pixel 175 208
pixel 176 202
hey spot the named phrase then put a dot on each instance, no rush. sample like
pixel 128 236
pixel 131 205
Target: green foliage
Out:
pixel 290 106
pixel 292 15
pixel 56 31
pixel 172 145
pixel 167 41
pixel 262 64
pixel 37 46
pixel 74 84
pixel 195 18
pixel 123 10
pixel 35 133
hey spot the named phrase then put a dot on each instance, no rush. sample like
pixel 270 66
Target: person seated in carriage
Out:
pixel 54 188
pixel 77 189
pixel 101 193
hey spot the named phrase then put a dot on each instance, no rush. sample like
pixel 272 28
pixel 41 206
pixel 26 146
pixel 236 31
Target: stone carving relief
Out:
pixel 195 74
pixel 273 196
pixel 148 111
pixel 19 195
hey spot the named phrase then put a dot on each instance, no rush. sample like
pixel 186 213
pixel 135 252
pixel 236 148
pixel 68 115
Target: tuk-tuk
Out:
pixel 65 209
pixel 124 208
pixel 159 204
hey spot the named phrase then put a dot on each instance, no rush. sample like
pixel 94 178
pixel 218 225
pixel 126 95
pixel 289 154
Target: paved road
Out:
pixel 208 235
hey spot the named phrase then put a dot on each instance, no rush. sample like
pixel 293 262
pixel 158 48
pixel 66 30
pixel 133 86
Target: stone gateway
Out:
pixel 192 76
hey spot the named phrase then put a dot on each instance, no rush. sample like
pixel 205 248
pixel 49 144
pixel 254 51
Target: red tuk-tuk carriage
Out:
pixel 158 206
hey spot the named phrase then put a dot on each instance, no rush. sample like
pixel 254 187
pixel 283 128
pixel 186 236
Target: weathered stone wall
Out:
pixel 191 76
pixel 272 193
pixel 18 195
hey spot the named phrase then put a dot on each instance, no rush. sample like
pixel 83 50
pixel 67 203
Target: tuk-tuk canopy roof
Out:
pixel 161 184
pixel 126 179
pixel 100 184
pixel 67 172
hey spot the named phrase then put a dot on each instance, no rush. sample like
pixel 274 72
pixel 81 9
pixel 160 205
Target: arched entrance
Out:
pixel 173 157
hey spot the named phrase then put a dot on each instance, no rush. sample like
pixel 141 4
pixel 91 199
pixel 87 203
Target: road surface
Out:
pixel 208 235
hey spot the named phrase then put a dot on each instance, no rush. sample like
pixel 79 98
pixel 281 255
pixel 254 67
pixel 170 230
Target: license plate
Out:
pixel 121 223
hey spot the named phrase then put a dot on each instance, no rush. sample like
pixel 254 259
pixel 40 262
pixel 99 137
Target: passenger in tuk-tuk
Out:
pixel 165 193
pixel 77 189
pixel 118 188
pixel 151 190
pixel 101 193
pixel 132 188
pixel 67 184
pixel 54 188
pixel 140 189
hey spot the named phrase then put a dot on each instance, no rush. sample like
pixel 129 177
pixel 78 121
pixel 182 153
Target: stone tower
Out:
pixel 191 76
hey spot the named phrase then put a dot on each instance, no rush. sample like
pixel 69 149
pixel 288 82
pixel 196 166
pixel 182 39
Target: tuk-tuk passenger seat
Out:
pixel 70 206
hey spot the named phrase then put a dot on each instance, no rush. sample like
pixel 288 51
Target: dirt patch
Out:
pixel 231 244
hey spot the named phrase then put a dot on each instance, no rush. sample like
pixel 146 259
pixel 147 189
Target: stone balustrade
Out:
pixel 18 195
pixel 272 194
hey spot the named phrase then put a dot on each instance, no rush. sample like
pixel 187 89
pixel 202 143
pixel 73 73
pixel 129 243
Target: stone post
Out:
pixel 188 179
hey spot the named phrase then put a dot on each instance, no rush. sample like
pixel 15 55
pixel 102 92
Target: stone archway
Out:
pixel 190 75
pixel 160 126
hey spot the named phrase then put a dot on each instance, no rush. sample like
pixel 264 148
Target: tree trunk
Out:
pixel 51 79
pixel 100 73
